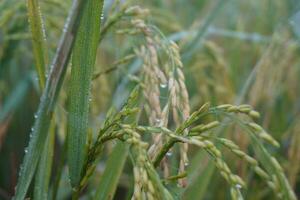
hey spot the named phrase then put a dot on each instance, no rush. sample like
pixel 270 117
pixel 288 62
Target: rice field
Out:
pixel 146 100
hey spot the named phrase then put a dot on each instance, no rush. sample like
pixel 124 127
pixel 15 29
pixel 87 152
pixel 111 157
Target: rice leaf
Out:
pixel 48 99
pixel 83 60
pixel 59 172
pixel 112 172
pixel 43 175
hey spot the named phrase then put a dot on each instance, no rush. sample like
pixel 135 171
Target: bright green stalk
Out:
pixel 83 60
pixel 48 99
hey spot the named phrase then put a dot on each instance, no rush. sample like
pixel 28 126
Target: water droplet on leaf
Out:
pixel 169 153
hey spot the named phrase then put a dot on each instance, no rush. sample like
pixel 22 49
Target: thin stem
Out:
pixel 163 151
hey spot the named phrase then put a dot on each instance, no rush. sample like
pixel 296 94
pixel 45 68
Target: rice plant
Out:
pixel 104 99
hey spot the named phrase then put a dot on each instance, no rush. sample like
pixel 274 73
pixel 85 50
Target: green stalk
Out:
pixel 163 151
pixel 83 60
pixel 48 99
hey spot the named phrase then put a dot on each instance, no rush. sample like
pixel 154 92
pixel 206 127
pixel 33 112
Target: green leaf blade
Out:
pixel 43 175
pixel 83 60
pixel 48 99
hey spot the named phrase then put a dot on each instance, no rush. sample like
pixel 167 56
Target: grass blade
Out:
pixel 83 61
pixel 59 172
pixel 44 114
pixel 112 172
pixel 43 175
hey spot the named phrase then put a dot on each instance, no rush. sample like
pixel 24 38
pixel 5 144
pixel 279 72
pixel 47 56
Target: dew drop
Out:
pixel 32 129
pixel 102 17
pixel 157 120
pixel 20 171
pixel 169 153
pixel 26 151
pixel 65 29
pixel 238 186
pixel 35 116
pixel 186 164
pixel 163 85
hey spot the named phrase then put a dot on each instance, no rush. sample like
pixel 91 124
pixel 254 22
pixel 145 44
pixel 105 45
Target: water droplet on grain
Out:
pixel 163 85
pixel 157 120
pixel 26 150
pixel 186 164
pixel 238 186
pixel 32 129
pixel 35 116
